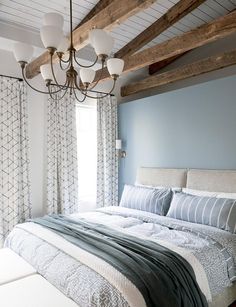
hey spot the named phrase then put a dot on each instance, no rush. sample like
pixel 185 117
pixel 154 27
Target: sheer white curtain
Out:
pixel 107 157
pixel 62 169
pixel 15 206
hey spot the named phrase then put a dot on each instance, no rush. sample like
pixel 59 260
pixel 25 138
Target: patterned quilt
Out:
pixel 91 282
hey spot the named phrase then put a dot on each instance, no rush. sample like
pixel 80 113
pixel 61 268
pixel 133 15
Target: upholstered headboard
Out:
pixel 164 177
pixel 212 180
pixel 207 180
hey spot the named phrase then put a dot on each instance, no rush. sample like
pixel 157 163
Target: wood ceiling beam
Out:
pixel 173 15
pixel 154 68
pixel 190 70
pixel 109 17
pixel 207 33
pixel 95 10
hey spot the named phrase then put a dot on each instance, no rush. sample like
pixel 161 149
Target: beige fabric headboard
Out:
pixel 206 180
pixel 212 180
pixel 164 177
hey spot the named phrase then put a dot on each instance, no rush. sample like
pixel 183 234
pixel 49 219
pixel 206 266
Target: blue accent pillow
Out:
pixel 212 211
pixel 146 199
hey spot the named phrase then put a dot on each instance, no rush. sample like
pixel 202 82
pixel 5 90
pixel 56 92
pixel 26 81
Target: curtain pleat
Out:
pixel 107 156
pixel 62 168
pixel 14 161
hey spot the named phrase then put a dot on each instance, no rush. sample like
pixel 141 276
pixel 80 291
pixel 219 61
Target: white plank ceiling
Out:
pixel 29 13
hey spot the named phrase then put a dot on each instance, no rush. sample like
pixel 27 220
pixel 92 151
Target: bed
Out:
pixel 85 278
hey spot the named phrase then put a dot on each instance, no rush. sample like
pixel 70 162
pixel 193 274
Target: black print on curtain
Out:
pixel 15 204
pixel 62 166
pixel 107 156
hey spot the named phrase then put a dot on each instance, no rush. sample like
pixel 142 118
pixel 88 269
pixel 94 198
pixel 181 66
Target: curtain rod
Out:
pixel 20 79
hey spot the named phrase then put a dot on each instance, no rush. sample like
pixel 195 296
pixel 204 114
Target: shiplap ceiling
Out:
pixel 29 13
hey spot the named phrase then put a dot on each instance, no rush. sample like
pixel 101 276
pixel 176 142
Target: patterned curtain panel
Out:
pixel 15 206
pixel 107 160
pixel 62 169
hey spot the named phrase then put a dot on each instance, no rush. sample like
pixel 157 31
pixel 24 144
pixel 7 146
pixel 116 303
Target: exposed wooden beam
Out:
pixel 113 14
pixel 207 33
pixel 95 10
pixel 154 68
pixel 174 14
pixel 190 70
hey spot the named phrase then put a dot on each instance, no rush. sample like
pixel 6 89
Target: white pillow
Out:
pixel 174 189
pixel 209 194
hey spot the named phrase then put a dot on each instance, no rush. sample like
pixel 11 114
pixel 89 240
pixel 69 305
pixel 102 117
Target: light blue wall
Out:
pixel 193 127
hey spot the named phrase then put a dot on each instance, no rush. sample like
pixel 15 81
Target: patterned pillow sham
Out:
pixel 146 199
pixel 212 211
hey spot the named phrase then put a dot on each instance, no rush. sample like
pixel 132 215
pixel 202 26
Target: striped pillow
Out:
pixel 146 199
pixel 212 211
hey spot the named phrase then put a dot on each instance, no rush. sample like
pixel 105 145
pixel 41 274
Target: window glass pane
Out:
pixel 87 156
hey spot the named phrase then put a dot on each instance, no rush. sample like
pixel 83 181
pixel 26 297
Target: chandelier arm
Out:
pixel 85 66
pixel 99 78
pixel 60 62
pixel 77 86
pixel 114 83
pixel 27 82
pixel 61 59
pixel 51 93
pixel 76 97
pixel 53 73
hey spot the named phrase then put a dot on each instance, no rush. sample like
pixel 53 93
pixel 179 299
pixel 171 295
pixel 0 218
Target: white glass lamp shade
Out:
pixel 51 36
pixel 23 52
pixel 118 144
pixel 53 19
pixel 115 66
pixel 87 75
pixel 101 41
pixel 46 72
pixel 63 46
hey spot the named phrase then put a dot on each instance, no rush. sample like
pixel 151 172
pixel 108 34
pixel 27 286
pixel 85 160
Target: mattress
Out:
pixel 88 281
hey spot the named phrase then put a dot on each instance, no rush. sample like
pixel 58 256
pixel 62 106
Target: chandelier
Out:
pixel 59 46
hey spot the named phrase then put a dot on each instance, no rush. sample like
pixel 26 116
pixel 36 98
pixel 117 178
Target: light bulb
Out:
pixel 23 52
pixel 115 66
pixel 51 36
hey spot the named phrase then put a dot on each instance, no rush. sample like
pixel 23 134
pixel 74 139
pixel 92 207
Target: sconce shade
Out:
pixel 115 66
pixel 101 41
pixel 87 75
pixel 46 72
pixel 118 144
pixel 23 52
pixel 51 36
pixel 63 46
pixel 53 19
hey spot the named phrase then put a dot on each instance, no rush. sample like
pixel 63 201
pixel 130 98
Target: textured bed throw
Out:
pixel 162 276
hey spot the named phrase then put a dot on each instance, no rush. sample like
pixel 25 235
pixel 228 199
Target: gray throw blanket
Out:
pixel 162 276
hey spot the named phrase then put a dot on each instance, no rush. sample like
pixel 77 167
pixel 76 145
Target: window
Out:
pixel 86 119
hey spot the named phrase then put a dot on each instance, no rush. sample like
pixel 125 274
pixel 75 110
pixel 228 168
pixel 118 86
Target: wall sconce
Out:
pixel 122 153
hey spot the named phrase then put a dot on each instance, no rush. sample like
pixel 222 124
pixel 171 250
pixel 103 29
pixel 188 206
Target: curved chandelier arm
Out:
pixel 102 96
pixel 58 98
pixel 54 76
pixel 61 59
pixel 27 82
pixel 62 68
pixel 84 66
pixel 76 97
pixel 99 78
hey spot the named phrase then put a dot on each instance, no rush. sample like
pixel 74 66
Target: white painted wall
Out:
pixel 37 133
